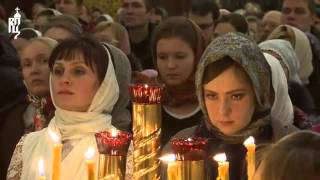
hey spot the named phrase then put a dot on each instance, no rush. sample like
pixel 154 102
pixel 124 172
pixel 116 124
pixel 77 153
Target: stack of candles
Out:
pixel 113 147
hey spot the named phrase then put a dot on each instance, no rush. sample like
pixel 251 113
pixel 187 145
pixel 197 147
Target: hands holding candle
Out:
pixel 251 149
pixel 41 170
pixel 57 147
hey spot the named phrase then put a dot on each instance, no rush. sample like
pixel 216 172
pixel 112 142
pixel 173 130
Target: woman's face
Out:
pixel 175 60
pixel 230 101
pixel 74 84
pixel 35 70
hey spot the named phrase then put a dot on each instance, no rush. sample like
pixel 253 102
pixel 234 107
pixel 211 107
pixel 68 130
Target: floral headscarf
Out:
pixel 245 52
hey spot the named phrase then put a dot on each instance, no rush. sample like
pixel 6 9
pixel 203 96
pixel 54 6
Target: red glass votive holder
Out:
pixel 146 93
pixel 190 149
pixel 111 143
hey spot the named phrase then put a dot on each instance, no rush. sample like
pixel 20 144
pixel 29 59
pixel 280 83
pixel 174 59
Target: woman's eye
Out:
pixel 237 96
pixel 210 96
pixel 180 56
pixel 58 71
pixel 26 64
pixel 44 60
pixel 162 57
pixel 79 71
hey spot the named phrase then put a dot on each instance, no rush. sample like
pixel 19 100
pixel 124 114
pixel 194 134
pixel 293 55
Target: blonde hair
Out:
pixel 295 157
pixel 122 37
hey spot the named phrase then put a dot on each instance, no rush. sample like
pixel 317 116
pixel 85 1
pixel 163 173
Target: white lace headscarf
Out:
pixel 282 108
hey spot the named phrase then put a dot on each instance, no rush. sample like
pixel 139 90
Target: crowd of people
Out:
pixel 228 74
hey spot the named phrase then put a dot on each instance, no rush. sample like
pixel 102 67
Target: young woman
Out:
pixel 84 89
pixel 177 45
pixel 295 157
pixel 233 85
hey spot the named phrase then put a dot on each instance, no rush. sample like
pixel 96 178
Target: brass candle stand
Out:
pixel 146 130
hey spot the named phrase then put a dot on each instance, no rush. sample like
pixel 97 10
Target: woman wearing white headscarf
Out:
pixel 284 53
pixel 282 108
pixel 301 45
pixel 84 90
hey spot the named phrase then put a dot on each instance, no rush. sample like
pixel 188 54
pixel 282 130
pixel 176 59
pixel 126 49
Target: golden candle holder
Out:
pixel 113 148
pixel 146 130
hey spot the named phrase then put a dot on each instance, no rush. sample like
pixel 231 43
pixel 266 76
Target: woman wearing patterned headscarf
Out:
pixel 233 85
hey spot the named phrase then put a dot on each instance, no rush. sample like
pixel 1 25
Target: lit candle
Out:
pixel 114 132
pixel 41 170
pixel 223 168
pixel 172 166
pixel 90 163
pixel 251 158
pixel 56 162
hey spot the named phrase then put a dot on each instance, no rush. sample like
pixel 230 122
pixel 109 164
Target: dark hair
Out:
pixel 65 22
pixel 47 12
pixel 311 5
pixel 182 28
pixel 161 11
pixel 29 33
pixel 78 2
pixel 237 21
pixel 42 2
pixel 94 54
pixel 149 4
pixel 216 68
pixel 203 7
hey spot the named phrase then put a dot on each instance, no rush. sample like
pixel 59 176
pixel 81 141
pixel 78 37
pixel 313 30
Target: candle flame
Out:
pixel 168 158
pixel 90 153
pixel 248 141
pixel 54 136
pixel 146 86
pixel 220 157
pixel 189 139
pixel 114 132
pixel 41 167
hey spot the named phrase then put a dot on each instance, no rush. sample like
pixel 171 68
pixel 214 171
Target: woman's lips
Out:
pixel 225 123
pixel 37 82
pixel 65 92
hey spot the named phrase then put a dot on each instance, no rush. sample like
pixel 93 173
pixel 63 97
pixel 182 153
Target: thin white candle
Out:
pixel 41 169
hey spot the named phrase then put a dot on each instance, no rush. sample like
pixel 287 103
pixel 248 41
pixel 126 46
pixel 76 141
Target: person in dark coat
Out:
pixel 13 102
